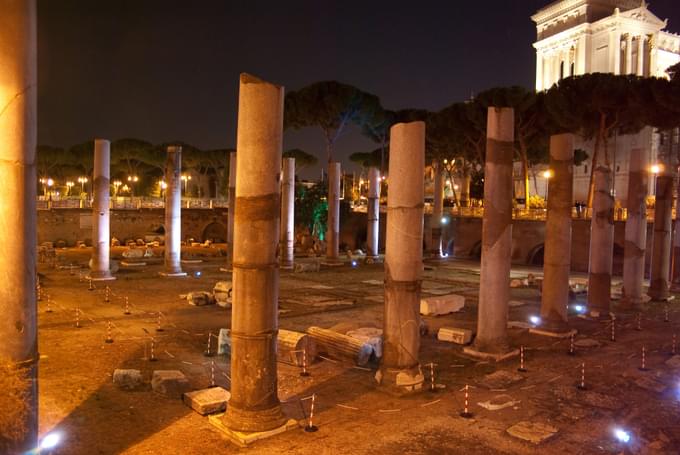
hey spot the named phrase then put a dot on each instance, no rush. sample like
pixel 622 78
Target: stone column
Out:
pixel 465 191
pixel 494 285
pixel 373 228
pixel 101 240
pixel 173 212
pixel 18 219
pixel 601 244
pixel 636 230
pixel 629 54
pixel 661 243
pixel 333 226
pixel 556 266
pixel 232 204
pixel 254 404
pixel 400 369
pixel 287 248
pixel 640 56
pixel 437 211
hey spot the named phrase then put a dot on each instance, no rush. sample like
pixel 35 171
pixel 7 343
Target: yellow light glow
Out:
pixel 656 168
pixel 547 174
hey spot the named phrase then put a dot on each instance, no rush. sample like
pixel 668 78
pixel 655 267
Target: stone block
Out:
pixel 455 335
pixel 200 298
pixel 207 401
pixel 500 379
pixel 534 432
pixel 224 342
pixel 171 383
pixel 222 293
pixel 443 304
pixel 674 362
pixel 499 402
pixel 127 379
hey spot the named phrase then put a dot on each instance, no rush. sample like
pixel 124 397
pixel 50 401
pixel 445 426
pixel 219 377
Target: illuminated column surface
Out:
pixel 555 295
pixel 636 231
pixel 437 211
pixel 232 204
pixel 373 215
pixel 400 369
pixel 18 326
pixel 101 240
pixel 254 403
pixel 494 287
pixel 661 243
pixel 333 228
pixel 601 244
pixel 287 249
pixel 173 212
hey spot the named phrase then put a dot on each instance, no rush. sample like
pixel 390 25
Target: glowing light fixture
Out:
pixel 50 441
pixel 547 174
pixel 535 320
pixel 622 435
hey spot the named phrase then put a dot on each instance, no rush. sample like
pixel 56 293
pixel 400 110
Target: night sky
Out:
pixel 165 70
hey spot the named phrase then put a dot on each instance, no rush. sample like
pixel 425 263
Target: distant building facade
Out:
pixel 577 37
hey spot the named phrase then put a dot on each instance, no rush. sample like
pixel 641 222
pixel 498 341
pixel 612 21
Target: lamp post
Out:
pixel 116 187
pixel 132 179
pixel 82 181
pixel 69 185
pixel 162 186
pixel 185 180
pixel 547 174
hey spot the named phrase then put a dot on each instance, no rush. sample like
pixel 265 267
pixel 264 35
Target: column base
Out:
pixel 495 356
pixel 244 438
pixel 547 332
pixel 287 266
pixel 400 381
pixel 172 274
pixel 632 303
pixel 246 421
pixel 332 262
pixel 373 260
pixel 660 297
pixel 106 276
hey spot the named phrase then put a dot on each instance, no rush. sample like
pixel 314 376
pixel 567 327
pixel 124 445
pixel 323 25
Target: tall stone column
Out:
pixel 661 243
pixel 601 244
pixel 333 223
pixel 18 219
pixel 636 230
pixel 373 228
pixel 232 204
pixel 400 369
pixel 494 285
pixel 173 212
pixel 556 266
pixel 437 211
pixel 629 54
pixel 641 56
pixel 101 239
pixel 465 191
pixel 287 248
pixel 254 404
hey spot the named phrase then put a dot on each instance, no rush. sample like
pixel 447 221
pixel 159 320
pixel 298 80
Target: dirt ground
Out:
pixel 78 398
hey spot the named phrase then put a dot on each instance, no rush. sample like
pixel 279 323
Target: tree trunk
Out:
pixel 333 221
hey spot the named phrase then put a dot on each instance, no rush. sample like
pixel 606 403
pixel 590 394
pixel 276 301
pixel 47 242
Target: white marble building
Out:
pixel 610 36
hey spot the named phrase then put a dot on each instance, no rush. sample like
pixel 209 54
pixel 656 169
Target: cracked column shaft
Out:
pixel 333 227
pixel 373 215
pixel 101 238
pixel 661 243
pixel 232 208
pixel 287 249
pixel 601 243
pixel 173 211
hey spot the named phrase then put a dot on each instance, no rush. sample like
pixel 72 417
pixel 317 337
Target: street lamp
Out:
pixel 132 179
pixel 82 181
pixel 547 174
pixel 163 186
pixel 69 185
pixel 185 179
pixel 656 169
pixel 116 186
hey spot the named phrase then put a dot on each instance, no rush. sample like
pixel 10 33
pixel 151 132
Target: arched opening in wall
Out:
pixel 476 250
pixel 215 232
pixel 536 255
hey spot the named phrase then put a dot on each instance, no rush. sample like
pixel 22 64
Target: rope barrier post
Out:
pixel 673 344
pixel 90 286
pixel 639 322
pixel 521 368
pixel 39 289
pixel 152 355
pixel 582 385
pixel 158 326
pixel 109 338
pixel 208 352
pixel 127 306
pixel 643 359
pixel 466 414
pixel 107 292
pixel 572 351
pixel 665 314
pixel 212 373
pixel 613 333
pixel 304 371
pixel 78 318
pixel 311 428
pixel 433 386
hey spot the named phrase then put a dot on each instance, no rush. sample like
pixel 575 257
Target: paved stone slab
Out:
pixel 207 401
pixel 650 384
pixel 500 379
pixel 534 432
pixel 171 383
pixel 127 379
pixel 499 402
pixel 455 335
pixel 586 343
pixel 674 362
